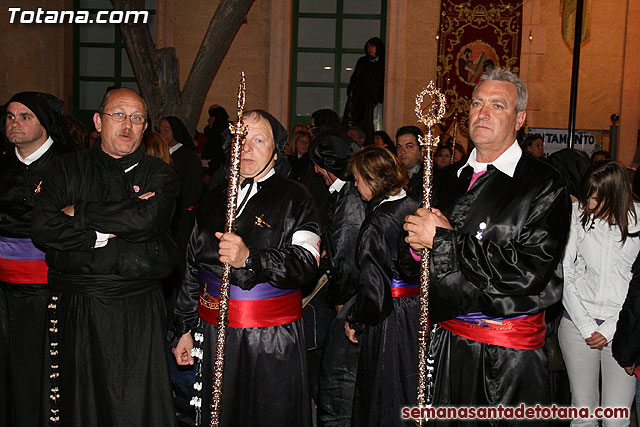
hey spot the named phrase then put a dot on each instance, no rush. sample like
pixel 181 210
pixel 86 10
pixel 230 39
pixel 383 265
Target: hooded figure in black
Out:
pixel 217 133
pixel 573 165
pixel 366 88
pixel 186 161
pixel 273 252
pixel 345 211
pixel 36 137
pixel 189 170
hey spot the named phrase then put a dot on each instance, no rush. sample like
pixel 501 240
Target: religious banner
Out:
pixel 569 21
pixel 474 36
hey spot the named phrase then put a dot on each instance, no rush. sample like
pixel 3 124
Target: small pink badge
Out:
pixel 136 188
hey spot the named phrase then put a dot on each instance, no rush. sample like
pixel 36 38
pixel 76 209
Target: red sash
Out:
pixel 20 271
pixel 400 289
pixel 254 313
pixel 525 333
pixel 405 292
pixel 21 261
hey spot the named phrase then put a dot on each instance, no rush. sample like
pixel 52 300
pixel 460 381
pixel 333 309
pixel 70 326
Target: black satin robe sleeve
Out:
pixel 373 302
pixel 286 265
pixel 186 312
pixel 134 219
pixel 130 218
pixel 52 228
pixel 342 229
pixel 382 255
pixel 626 345
pixel 513 266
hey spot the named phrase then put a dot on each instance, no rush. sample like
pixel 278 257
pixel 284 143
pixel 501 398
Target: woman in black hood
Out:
pixel 189 171
pixel 217 133
pixel 366 88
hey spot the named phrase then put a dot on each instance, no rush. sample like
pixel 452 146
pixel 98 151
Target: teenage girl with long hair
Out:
pixel 603 244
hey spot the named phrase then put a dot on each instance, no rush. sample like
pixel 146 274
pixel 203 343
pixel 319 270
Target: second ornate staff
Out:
pixel 433 115
pixel 239 132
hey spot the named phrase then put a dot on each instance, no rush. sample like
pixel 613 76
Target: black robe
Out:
pixel 387 326
pixel 302 171
pixel 212 150
pixel 189 170
pixel 512 267
pixel 344 215
pixel 626 346
pixel 24 391
pixel 366 89
pixel 110 312
pixel 265 379
pixel 415 184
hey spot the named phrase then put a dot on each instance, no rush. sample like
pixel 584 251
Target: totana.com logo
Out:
pixel 41 16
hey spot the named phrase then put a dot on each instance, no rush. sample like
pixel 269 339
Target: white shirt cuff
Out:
pixel 101 240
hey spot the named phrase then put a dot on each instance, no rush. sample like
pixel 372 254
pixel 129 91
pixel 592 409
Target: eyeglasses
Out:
pixel 136 119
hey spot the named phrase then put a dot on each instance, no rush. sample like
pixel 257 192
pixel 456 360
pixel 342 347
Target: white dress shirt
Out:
pixel 506 163
pixel 36 154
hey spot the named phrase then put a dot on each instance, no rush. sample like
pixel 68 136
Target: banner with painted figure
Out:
pixel 473 37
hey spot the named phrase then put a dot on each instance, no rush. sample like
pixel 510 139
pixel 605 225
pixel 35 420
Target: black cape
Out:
pixel 365 90
pixel 344 215
pixel 388 326
pixel 189 170
pixel 303 172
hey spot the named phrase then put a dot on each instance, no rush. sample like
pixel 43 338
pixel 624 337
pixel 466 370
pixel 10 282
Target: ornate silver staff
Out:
pixel 433 115
pixel 239 132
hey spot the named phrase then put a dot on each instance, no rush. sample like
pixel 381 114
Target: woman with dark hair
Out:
pixel 603 244
pixel 382 139
pixel 442 157
pixel 384 317
pixel 366 88
pixel 533 145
